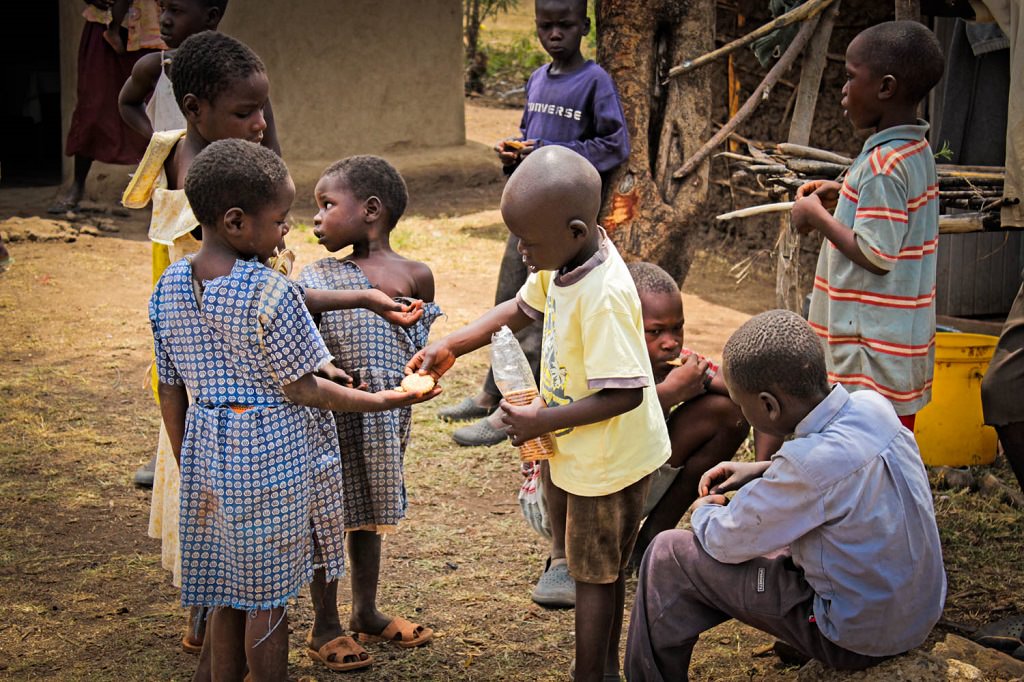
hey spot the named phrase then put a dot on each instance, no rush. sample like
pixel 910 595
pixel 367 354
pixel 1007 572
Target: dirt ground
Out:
pixel 84 593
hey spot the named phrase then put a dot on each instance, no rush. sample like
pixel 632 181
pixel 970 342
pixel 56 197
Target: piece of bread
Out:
pixel 417 383
pixel 514 145
pixel 675 362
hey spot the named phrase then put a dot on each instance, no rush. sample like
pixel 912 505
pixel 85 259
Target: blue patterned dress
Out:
pixel 372 444
pixel 257 479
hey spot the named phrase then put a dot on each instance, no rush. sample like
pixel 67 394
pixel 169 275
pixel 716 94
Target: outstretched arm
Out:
pixel 320 301
pixel 438 357
pixel 314 391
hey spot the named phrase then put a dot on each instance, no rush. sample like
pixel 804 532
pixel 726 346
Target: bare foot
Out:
pixel 66 200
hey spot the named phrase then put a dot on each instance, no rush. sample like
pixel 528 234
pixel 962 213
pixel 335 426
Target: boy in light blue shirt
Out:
pixel 844 508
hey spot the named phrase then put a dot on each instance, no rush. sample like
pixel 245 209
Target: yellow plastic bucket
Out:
pixel 950 430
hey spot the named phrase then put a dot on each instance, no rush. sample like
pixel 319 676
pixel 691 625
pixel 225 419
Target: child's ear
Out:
pixel 586 26
pixel 213 17
pixel 190 107
pixel 373 208
pixel 887 87
pixel 770 405
pixel 578 228
pixel 234 220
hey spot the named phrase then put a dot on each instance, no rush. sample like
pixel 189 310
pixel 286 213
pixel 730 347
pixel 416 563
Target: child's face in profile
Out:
pixel 235 113
pixel 761 410
pixel 181 18
pixel 264 229
pixel 860 93
pixel 340 220
pixel 663 330
pixel 560 28
pixel 544 246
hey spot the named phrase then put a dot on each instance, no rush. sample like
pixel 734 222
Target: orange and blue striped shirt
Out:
pixel 879 330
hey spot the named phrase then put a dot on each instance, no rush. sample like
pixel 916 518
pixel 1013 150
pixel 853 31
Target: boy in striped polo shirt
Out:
pixel 873 303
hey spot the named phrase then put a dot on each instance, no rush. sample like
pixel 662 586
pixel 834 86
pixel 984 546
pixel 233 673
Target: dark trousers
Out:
pixel 683 591
pixel 511 276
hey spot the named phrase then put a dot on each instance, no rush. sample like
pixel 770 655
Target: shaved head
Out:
pixel 555 180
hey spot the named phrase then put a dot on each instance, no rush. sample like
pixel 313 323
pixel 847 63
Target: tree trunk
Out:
pixel 648 214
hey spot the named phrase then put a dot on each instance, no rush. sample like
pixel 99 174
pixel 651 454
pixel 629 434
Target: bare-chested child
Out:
pixel 360 201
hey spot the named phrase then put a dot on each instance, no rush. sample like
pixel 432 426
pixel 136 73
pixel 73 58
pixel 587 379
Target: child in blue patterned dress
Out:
pixel 361 199
pixel 259 468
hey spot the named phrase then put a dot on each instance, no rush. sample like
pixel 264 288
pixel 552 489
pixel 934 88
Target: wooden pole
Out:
pixel 748 108
pixel 908 9
pixel 810 77
pixel 809 9
pixel 734 84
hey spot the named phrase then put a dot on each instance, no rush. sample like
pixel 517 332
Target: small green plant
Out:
pixel 945 152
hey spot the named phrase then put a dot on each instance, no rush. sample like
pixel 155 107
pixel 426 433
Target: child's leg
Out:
pixel 597 607
pixel 704 432
pixel 226 644
pixel 554 498
pixel 555 588
pixel 683 591
pixel 326 622
pixel 364 563
pixel 266 645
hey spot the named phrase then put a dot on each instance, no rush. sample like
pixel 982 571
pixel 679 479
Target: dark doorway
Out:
pixel 30 118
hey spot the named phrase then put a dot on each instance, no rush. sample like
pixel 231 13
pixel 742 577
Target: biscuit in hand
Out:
pixel 417 383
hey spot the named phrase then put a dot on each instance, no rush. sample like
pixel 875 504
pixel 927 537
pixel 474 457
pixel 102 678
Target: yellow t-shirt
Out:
pixel 594 339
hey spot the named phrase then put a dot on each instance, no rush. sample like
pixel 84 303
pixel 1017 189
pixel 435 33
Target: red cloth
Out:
pixel 908 420
pixel 97 130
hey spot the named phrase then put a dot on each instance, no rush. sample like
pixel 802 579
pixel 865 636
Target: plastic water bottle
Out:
pixel 514 378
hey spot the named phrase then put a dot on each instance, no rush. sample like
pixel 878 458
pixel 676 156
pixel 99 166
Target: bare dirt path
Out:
pixel 84 595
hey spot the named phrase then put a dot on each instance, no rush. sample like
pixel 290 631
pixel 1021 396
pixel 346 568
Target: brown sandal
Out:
pixel 341 653
pixel 401 633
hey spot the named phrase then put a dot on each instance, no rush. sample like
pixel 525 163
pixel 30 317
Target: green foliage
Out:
pixel 945 152
pixel 514 62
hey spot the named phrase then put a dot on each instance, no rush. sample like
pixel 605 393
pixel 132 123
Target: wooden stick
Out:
pixel 947 167
pixel 812 67
pixel 806 152
pixel 816 168
pixel 960 223
pixel 735 157
pixel 785 61
pixel 808 10
pixel 762 209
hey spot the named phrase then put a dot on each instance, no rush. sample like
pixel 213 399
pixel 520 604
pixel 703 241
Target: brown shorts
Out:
pixel 600 532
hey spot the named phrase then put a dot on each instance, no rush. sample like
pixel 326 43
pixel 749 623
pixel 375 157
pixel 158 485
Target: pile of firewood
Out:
pixel 975 191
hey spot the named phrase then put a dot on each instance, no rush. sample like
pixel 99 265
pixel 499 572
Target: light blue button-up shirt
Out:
pixel 850 497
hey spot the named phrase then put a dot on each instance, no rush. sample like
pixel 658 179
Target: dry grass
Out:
pixel 87 600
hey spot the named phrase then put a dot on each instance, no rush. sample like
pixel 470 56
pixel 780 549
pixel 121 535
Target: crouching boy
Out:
pixel 862 579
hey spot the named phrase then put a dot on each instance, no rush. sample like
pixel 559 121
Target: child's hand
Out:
pixel 395 312
pixel 687 380
pixel 708 499
pixel 511 150
pixel 826 190
pixel 391 399
pixel 727 476
pixel 339 376
pixel 807 214
pixel 521 422
pixel 434 359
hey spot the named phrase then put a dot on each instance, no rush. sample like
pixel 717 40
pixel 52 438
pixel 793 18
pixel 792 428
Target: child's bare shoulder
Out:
pixel 147 69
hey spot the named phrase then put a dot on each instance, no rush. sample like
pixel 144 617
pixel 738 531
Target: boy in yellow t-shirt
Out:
pixel 597 390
